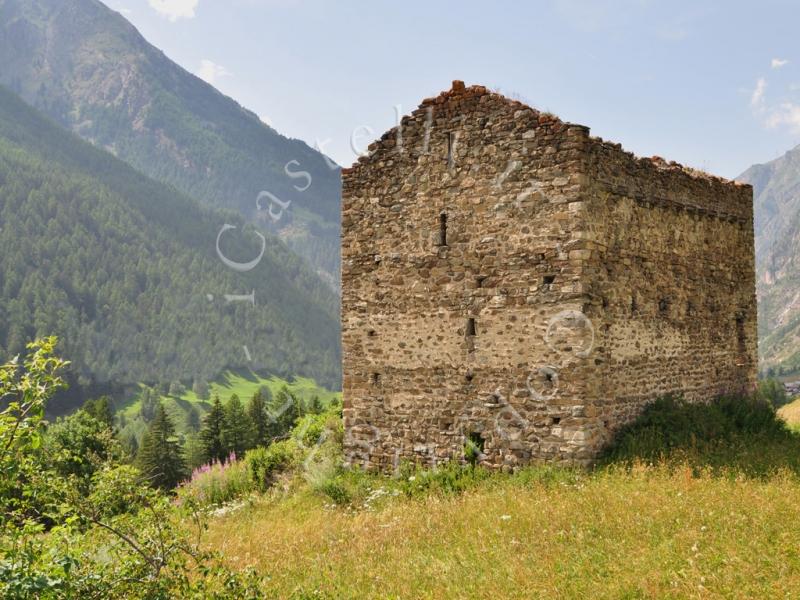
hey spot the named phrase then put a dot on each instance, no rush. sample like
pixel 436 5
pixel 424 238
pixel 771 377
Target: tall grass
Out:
pixel 690 501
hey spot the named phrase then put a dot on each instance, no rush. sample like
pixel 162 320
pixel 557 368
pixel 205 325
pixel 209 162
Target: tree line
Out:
pixel 228 430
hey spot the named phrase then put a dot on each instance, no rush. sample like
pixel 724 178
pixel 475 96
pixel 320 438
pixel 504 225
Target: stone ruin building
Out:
pixel 510 280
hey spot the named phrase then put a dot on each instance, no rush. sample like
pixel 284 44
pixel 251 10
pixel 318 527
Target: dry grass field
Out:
pixel 649 532
pixel 791 414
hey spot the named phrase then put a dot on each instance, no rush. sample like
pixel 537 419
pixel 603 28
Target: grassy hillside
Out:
pixel 89 69
pixel 125 270
pixel 791 414
pixel 187 410
pixel 648 533
pixel 707 510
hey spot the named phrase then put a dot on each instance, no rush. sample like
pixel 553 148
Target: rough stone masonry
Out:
pixel 511 281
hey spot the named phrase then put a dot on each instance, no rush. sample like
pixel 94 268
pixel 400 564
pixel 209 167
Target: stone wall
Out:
pixel 673 281
pixel 512 330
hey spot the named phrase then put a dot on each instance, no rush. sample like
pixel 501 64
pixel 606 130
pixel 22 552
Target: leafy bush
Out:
pixel 772 391
pixel 350 487
pixel 265 464
pixel 117 539
pixel 449 478
pixel 734 434
pixel 79 444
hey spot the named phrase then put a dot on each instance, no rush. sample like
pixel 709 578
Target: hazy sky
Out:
pixel 715 85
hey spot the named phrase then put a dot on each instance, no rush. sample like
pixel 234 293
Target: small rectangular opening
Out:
pixel 451 143
pixel 479 281
pixel 471 327
pixel 376 378
pixel 741 336
pixel 549 279
pixel 443 229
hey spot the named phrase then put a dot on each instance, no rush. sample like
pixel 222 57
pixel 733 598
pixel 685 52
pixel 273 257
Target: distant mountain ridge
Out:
pixel 776 190
pixel 128 271
pixel 88 68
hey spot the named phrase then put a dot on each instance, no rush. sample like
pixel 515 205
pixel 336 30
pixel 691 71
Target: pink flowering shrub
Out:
pixel 217 482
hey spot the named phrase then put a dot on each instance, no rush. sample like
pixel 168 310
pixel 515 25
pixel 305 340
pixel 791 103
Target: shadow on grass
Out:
pixel 728 436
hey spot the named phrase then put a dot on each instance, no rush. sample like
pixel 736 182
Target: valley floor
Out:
pixel 640 533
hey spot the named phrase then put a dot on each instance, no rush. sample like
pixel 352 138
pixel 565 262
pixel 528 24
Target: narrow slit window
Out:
pixel 443 229
pixel 376 378
pixel 741 336
pixel 471 327
pixel 451 143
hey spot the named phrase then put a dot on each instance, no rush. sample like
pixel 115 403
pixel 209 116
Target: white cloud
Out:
pixel 175 9
pixel 783 115
pixel 210 71
pixel 757 98
pixel 787 114
pixel 777 63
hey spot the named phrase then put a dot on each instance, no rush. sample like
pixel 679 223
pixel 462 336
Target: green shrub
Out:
pixel 265 464
pixel 336 490
pixel 732 433
pixel 446 479
pixel 351 487
pixel 773 392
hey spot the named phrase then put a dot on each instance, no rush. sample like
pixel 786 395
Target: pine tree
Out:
pixel 257 414
pixel 193 451
pixel 148 400
pixel 160 459
pixel 211 433
pixel 236 431
pixel 285 411
pixel 314 405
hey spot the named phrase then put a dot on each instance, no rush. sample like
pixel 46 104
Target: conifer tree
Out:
pixel 193 451
pixel 257 415
pixel 236 431
pixel 211 433
pixel 285 411
pixel 314 405
pixel 160 459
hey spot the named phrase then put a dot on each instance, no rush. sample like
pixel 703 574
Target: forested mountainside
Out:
pixel 89 69
pixel 776 188
pixel 125 270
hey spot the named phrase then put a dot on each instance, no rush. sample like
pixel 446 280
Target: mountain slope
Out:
pixel 776 188
pixel 90 70
pixel 125 270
